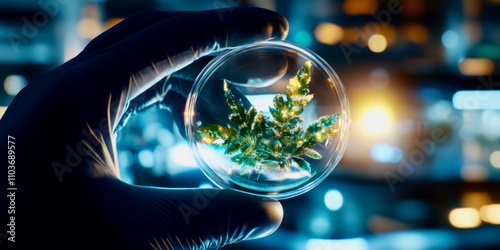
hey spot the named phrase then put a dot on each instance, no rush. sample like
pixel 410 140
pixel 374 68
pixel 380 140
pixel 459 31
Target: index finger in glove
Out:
pixel 169 45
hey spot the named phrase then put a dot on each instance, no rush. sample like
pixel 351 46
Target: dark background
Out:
pixel 422 163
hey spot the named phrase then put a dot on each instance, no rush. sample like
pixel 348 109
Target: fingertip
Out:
pixel 282 27
pixel 260 216
pixel 253 24
pixel 272 212
pixel 277 27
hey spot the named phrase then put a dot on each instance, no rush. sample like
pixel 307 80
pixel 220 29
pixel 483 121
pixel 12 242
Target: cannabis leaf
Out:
pixel 256 138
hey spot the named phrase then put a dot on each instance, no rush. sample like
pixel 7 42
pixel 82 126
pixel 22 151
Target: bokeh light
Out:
pixel 146 158
pixel 476 66
pixel 475 199
pixel 360 7
pixel 14 83
pixel 350 35
pixel 324 244
pixel 414 8
pixel 474 173
pixel 495 159
pixel 376 120
pixel 464 218
pixel 390 33
pixel 303 38
pixel 450 39
pixel 334 200
pixel 125 158
pixel 328 33
pixel 490 213
pixel 89 28
pixel 377 43
pixel 181 155
pixel 320 226
pixel 416 32
pixel 386 153
pixel 476 100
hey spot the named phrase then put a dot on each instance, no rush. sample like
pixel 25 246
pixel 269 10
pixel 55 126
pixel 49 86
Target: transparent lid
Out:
pixel 270 119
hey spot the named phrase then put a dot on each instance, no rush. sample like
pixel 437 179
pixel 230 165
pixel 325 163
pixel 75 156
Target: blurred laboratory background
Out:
pixel 422 167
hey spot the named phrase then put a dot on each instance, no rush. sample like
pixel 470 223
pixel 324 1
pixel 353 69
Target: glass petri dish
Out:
pixel 245 138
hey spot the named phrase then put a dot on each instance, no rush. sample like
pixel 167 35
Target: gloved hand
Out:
pixel 69 195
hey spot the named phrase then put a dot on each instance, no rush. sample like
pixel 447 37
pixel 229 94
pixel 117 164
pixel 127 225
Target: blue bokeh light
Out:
pixel 334 200
pixel 386 153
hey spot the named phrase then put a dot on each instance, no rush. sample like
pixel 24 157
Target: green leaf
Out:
pixel 276 113
pixel 236 158
pixel 311 153
pixel 257 124
pixel 303 164
pixel 213 134
pixel 248 150
pixel 252 112
pixel 277 146
pixel 279 102
pixel 232 149
pixel 236 120
pixel 284 163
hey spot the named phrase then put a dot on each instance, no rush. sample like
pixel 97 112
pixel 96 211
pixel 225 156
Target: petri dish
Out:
pixel 269 119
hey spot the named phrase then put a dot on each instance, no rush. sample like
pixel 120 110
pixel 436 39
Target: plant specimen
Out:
pixel 255 140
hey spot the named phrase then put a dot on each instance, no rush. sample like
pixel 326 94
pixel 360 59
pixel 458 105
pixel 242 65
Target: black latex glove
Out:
pixel 69 195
